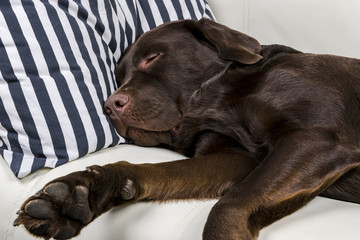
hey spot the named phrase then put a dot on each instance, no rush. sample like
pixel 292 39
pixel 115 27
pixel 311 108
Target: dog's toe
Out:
pixel 40 230
pixel 66 232
pixel 58 191
pixel 80 209
pixel 40 209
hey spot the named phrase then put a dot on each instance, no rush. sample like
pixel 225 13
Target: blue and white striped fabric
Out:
pixel 57 60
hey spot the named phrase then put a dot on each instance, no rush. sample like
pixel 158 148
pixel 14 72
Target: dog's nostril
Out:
pixel 108 110
pixel 121 100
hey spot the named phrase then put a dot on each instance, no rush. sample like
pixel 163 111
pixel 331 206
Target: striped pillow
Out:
pixel 57 60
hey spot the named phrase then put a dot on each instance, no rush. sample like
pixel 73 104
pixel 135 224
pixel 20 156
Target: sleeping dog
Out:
pixel 266 130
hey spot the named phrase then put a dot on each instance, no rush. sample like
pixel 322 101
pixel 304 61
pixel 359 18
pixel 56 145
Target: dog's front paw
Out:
pixel 56 211
pixel 64 206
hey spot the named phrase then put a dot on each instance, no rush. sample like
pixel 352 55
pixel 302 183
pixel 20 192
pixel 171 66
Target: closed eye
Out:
pixel 149 60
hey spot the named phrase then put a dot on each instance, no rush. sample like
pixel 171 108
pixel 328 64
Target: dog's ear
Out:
pixel 229 44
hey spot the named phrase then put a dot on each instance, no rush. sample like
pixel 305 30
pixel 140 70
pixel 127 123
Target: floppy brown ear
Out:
pixel 230 44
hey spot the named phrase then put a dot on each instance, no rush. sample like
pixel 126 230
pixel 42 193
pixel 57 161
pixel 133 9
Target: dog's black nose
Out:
pixel 116 102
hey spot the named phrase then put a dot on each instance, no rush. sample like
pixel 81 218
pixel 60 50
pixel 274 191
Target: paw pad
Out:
pixel 80 209
pixel 58 191
pixel 40 209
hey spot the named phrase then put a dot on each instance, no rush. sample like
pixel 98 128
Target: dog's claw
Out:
pixel 20 212
pixel 92 170
pixel 16 222
pixel 38 193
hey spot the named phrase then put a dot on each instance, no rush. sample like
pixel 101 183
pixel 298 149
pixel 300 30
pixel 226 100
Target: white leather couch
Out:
pixel 320 26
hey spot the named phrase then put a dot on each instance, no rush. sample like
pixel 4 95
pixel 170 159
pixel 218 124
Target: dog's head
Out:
pixel 160 71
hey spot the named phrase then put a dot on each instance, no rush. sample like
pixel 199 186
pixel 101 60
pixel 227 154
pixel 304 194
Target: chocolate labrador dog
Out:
pixel 267 129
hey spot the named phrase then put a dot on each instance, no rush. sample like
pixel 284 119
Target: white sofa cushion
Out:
pixel 322 219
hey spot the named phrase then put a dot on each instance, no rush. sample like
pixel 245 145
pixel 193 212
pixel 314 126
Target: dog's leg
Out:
pixel 67 204
pixel 347 188
pixel 300 167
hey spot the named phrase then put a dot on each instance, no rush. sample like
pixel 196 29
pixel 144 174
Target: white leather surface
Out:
pixel 324 26
pixel 318 26
pixel 322 219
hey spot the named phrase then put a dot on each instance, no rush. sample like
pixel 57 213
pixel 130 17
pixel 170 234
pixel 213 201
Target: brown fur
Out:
pixel 267 129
